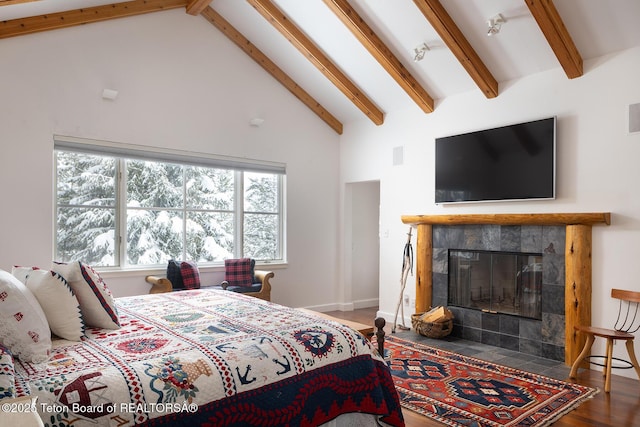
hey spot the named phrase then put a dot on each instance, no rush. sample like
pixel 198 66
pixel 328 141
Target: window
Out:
pixel 125 206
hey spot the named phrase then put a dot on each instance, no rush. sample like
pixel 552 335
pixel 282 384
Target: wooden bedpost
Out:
pixel 380 322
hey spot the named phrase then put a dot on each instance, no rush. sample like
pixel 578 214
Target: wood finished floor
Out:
pixel 619 408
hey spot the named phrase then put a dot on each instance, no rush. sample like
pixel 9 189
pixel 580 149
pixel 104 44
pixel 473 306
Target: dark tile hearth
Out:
pixel 496 354
pixel 538 338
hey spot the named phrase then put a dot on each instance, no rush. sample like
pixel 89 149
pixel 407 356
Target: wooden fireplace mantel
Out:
pixel 512 219
pixel 577 260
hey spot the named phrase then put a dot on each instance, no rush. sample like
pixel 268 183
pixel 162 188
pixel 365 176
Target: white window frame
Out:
pixel 122 151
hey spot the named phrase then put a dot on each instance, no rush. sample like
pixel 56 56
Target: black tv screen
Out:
pixel 515 162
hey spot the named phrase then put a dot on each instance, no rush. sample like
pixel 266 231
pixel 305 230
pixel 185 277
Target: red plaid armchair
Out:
pixel 241 276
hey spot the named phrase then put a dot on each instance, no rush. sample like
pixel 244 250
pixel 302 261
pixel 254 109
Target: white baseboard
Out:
pixel 324 307
pixel 346 306
pixel 366 303
pixel 389 318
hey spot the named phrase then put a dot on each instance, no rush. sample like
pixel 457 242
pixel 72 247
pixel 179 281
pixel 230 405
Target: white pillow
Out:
pixel 57 300
pixel 23 326
pixel 96 302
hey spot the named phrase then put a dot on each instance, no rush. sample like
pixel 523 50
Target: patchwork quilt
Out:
pixel 210 357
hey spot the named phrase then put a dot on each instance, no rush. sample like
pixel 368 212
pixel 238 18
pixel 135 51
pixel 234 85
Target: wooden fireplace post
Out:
pixel 577 290
pixel 424 268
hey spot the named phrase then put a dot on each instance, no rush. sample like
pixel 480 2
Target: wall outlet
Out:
pixel 406 300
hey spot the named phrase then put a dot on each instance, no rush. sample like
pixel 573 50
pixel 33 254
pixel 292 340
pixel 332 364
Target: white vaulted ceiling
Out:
pixel 594 28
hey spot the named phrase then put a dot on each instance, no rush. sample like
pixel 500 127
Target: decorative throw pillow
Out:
pixel 7 374
pixel 24 329
pixel 239 272
pixel 96 301
pixel 21 273
pixel 190 275
pixel 57 300
pixel 174 274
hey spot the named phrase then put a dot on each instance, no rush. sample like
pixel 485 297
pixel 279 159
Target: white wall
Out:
pixel 597 166
pixel 181 85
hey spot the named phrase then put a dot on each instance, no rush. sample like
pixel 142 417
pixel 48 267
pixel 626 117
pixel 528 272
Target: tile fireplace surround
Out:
pixel 545 337
pixel 565 241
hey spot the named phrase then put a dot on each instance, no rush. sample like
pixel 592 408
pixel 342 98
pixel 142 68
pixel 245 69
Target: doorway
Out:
pixel 362 224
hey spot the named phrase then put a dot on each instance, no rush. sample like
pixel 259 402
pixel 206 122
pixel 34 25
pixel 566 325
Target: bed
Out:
pixel 215 358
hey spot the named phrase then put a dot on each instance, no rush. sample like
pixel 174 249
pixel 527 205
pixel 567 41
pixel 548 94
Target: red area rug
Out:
pixel 458 390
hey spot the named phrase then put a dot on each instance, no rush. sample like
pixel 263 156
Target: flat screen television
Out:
pixel 515 162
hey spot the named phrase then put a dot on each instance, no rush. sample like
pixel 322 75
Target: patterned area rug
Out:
pixel 458 390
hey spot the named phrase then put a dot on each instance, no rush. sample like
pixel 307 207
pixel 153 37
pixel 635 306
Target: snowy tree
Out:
pixel 173 211
pixel 86 216
pixel 261 219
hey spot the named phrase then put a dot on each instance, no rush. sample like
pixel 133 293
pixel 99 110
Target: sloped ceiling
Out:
pixel 349 59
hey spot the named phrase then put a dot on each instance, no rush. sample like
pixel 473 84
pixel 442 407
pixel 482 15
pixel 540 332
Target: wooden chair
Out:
pixel 627 323
pixel 159 285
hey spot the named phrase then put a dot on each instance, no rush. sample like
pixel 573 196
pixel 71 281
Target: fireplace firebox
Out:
pixel 496 281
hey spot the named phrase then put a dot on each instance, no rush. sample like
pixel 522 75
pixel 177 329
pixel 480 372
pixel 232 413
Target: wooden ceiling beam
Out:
pixel 250 49
pixel 459 45
pixel 288 29
pixel 381 53
pixel 557 35
pixel 53 21
pixel 8 2
pixel 195 7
